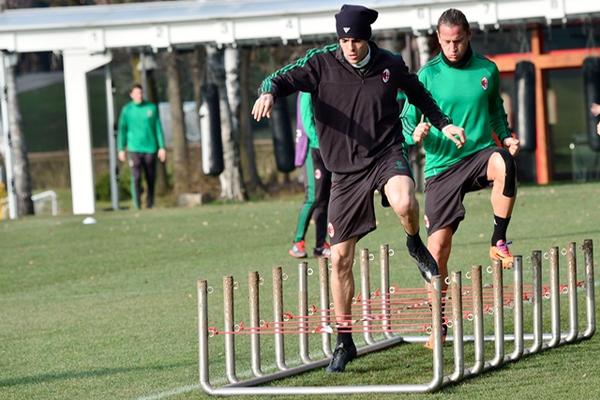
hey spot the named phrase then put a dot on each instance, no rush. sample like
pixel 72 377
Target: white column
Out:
pixel 7 151
pixel 76 65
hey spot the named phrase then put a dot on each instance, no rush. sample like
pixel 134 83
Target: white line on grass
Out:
pixel 171 392
pixel 189 388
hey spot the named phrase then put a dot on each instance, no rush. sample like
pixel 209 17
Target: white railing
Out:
pixel 48 195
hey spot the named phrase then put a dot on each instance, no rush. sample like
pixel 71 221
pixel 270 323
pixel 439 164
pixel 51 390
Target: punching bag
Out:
pixel 524 109
pixel 591 89
pixel 210 131
pixel 283 139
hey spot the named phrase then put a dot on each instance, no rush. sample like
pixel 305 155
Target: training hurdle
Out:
pixel 387 315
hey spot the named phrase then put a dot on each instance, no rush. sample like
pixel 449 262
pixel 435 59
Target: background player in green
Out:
pixel 317 183
pixel 466 86
pixel 141 135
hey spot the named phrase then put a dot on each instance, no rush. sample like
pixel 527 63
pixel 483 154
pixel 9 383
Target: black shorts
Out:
pixel 444 193
pixel 351 208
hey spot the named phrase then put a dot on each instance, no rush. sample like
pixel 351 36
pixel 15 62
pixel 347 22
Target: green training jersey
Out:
pixel 470 95
pixel 139 128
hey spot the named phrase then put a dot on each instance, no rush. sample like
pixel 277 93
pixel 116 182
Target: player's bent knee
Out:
pixel 510 173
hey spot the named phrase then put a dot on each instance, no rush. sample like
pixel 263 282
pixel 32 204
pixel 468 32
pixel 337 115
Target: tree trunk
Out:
pixel 248 156
pixel 180 160
pixel 22 177
pixel 197 62
pixel 151 91
pixel 225 75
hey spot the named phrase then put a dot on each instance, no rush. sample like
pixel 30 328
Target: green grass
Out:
pixel 108 311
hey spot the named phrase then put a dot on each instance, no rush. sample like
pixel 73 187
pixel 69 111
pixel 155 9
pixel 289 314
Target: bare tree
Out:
pixel 197 62
pixel 248 158
pixel 22 176
pixel 180 159
pixel 232 187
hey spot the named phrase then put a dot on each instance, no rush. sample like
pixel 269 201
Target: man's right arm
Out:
pixel 300 76
pixel 122 134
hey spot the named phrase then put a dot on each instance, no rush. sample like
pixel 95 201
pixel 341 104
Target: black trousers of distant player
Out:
pixel 145 162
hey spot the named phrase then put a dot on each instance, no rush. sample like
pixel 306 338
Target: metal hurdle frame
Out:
pixel 540 340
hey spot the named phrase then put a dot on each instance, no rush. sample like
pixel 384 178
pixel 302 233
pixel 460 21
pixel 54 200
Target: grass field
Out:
pixel 108 311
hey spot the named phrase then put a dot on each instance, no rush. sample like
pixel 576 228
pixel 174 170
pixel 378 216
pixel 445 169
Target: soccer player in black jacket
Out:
pixel 354 85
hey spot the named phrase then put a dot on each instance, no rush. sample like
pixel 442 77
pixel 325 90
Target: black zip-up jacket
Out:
pixel 356 114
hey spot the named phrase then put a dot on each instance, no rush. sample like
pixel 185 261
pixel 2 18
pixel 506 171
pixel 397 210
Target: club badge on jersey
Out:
pixel 484 83
pixel 385 75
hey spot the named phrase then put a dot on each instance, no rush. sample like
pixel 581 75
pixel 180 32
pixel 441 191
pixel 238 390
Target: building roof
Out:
pixel 171 23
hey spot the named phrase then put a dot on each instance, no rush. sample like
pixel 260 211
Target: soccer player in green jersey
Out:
pixel 141 135
pixel 317 183
pixel 466 86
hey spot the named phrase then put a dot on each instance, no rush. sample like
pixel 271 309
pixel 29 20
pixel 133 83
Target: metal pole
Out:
pixel 590 300
pixel 477 320
pixel 253 300
pixel 436 323
pixel 518 308
pixel 229 328
pixel 384 261
pixel 572 287
pixel 112 148
pixel 365 289
pixel 498 314
pixel 203 336
pixel 536 266
pixel 324 304
pixel 457 327
pixel 554 298
pixel 278 318
pixel 10 181
pixel 302 312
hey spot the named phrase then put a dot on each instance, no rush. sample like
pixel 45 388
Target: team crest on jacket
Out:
pixel 385 75
pixel 484 83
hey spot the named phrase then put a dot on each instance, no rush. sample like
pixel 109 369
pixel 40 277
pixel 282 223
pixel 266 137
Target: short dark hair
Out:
pixel 136 86
pixel 453 17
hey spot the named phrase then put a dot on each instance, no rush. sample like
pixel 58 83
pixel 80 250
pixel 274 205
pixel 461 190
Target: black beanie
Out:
pixel 354 22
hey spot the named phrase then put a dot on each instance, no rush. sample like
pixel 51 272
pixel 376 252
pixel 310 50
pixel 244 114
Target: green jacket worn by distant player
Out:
pixel 308 120
pixel 470 94
pixel 139 128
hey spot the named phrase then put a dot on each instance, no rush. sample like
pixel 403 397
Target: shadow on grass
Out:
pixel 25 380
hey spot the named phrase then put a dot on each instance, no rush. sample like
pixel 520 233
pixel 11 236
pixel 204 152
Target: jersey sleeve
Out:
pixel 498 119
pixel 303 76
pixel 420 97
pixel 160 137
pixel 409 116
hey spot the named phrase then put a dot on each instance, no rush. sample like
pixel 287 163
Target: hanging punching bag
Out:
pixel 283 139
pixel 524 111
pixel 591 89
pixel 210 131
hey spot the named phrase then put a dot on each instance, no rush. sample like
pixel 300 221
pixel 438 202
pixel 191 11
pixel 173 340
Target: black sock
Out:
pixel 345 338
pixel 413 241
pixel 500 227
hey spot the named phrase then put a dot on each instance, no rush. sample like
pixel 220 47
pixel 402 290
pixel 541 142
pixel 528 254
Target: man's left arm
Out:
pixel 498 119
pixel 160 138
pixel 420 97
